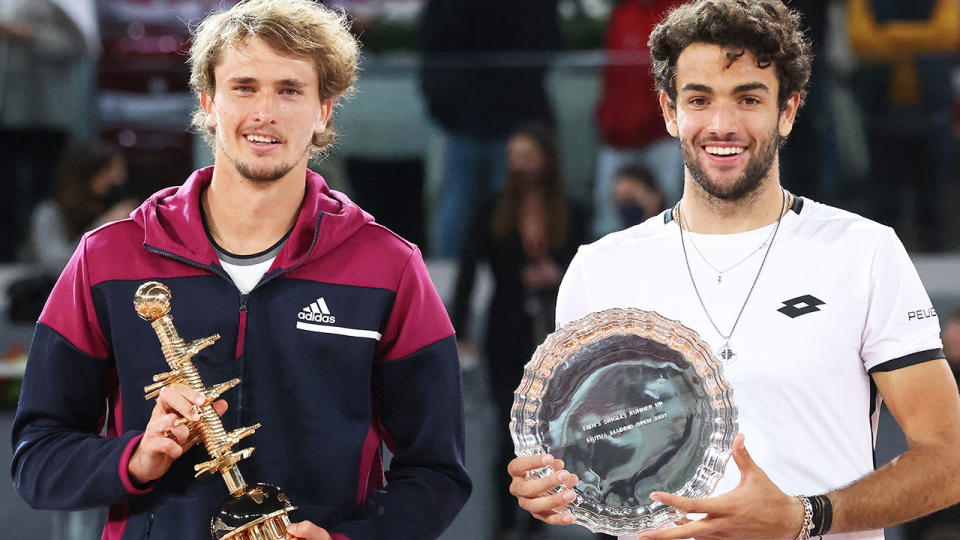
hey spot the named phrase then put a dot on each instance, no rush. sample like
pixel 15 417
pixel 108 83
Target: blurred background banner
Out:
pixel 496 134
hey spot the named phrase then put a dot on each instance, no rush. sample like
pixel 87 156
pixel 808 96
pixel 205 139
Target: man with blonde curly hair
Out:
pixel 330 320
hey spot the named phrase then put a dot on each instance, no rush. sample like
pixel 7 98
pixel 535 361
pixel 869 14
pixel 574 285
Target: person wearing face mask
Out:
pixel 636 194
pixel 527 235
pixel 90 190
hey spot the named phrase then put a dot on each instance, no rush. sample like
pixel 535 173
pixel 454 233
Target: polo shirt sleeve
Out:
pixel 572 298
pixel 902 328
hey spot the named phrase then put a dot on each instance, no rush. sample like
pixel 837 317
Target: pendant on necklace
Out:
pixel 719 278
pixel 726 353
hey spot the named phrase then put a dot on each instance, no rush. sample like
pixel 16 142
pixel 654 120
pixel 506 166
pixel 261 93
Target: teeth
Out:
pixel 261 138
pixel 724 150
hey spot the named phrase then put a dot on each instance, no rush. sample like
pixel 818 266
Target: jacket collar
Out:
pixel 173 226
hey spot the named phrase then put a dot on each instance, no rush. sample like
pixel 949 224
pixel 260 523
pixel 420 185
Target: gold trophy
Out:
pixel 259 512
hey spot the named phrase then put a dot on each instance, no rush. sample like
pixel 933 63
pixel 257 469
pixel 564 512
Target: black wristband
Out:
pixel 827 514
pixel 816 518
pixel 822 515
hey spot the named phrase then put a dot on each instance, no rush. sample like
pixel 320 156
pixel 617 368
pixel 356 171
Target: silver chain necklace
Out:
pixel 726 352
pixel 736 264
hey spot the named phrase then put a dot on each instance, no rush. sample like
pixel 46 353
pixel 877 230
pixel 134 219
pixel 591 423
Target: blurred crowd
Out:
pixel 91 123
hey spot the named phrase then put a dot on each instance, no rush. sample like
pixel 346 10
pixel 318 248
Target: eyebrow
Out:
pixel 293 83
pixel 751 86
pixel 697 87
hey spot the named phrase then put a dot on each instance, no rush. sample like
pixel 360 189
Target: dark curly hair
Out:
pixel 766 28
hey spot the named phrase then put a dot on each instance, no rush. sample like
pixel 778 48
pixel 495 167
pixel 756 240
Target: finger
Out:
pixel 162 445
pixel 307 530
pixel 169 426
pixel 554 518
pixel 572 480
pixel 547 503
pixel 220 406
pixel 180 434
pixel 182 400
pixel 533 487
pixel 695 529
pixel 160 425
pixel 686 505
pixel 741 457
pixel 519 466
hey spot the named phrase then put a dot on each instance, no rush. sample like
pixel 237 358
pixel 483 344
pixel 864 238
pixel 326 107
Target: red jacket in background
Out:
pixel 628 114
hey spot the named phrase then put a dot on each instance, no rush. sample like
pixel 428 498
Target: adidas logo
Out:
pixel 317 312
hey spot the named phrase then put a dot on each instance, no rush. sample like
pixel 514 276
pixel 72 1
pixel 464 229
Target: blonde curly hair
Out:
pixel 300 28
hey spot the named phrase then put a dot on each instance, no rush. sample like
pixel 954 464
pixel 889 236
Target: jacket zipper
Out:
pixel 242 330
pixel 146 532
pixel 241 337
pixel 242 326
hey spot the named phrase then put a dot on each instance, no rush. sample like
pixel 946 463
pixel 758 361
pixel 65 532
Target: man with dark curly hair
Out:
pixel 814 312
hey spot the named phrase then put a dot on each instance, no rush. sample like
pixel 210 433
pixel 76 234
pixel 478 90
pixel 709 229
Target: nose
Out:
pixel 723 121
pixel 266 105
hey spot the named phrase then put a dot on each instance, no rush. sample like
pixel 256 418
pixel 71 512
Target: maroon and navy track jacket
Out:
pixel 342 346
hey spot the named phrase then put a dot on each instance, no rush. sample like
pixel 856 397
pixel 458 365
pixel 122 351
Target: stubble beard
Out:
pixel 757 169
pixel 262 176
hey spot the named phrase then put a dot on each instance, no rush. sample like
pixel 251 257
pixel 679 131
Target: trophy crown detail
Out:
pixel 152 300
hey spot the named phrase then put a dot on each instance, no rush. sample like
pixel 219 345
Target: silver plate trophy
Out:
pixel 633 403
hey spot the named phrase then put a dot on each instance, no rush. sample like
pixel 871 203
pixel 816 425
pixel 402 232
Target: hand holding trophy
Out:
pixel 627 403
pixel 259 512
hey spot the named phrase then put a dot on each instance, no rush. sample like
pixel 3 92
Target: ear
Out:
pixel 207 103
pixel 323 117
pixel 669 109
pixel 788 114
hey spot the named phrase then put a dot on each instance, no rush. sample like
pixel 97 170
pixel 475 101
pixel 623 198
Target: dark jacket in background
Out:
pixel 465 44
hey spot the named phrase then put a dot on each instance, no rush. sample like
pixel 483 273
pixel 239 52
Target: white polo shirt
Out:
pixel 838 298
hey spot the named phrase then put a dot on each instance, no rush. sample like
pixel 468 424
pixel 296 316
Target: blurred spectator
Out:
pixel 907 47
pixel 636 194
pixel 90 190
pixel 628 116
pixel 482 74
pixel 945 524
pixel 814 135
pixel 43 45
pixel 951 343
pixel 48 51
pixel 527 234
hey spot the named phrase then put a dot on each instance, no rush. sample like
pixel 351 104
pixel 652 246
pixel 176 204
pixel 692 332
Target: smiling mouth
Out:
pixel 724 151
pixel 262 139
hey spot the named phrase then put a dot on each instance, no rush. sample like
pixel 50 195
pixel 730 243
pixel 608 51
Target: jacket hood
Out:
pixel 172 223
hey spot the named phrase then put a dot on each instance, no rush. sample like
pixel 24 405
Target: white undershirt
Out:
pixel 247 270
pixel 245 276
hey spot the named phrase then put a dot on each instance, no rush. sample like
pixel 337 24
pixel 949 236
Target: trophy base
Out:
pixel 259 512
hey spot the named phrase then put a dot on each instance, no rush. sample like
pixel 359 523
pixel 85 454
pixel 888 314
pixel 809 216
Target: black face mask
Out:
pixel 631 214
pixel 117 193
